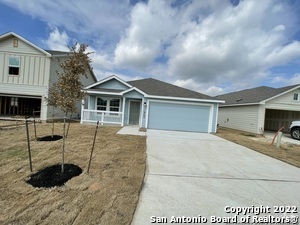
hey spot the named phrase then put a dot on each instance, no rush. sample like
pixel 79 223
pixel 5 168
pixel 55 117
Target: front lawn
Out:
pixel 107 195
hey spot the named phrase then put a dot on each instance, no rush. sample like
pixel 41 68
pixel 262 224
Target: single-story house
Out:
pixel 149 103
pixel 26 74
pixel 261 108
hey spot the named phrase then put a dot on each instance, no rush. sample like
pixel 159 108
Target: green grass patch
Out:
pixel 14 152
pixel 248 135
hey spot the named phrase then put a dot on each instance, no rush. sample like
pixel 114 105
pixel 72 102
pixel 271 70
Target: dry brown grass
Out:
pixel 288 153
pixel 107 195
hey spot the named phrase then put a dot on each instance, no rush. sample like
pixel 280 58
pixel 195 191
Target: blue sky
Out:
pixel 213 47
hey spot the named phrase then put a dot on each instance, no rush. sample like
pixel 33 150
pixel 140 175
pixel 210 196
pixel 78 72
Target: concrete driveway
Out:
pixel 198 175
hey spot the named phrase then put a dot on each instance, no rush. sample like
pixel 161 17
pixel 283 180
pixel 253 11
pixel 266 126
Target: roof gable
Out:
pixel 110 83
pixel 255 95
pixel 10 35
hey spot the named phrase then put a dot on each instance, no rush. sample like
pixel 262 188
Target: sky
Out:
pixel 209 46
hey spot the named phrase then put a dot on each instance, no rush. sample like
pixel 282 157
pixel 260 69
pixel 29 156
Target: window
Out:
pixel 108 104
pixel 101 104
pixel 296 97
pixel 114 105
pixel 13 65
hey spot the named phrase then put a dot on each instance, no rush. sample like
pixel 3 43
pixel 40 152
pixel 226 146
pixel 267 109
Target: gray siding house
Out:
pixel 262 108
pixel 149 103
pixel 26 73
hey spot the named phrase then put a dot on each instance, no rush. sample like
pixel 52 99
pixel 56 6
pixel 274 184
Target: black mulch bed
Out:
pixel 50 138
pixel 52 176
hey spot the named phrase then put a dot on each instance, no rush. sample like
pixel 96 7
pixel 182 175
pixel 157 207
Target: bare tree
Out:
pixel 67 91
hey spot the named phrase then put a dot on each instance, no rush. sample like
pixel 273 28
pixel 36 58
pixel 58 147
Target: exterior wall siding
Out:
pixel 33 78
pixel 261 119
pixel 34 70
pixel 241 118
pixel 133 94
pixel 214 118
pixel 54 67
pixel 285 102
pixel 112 84
pixel 7 46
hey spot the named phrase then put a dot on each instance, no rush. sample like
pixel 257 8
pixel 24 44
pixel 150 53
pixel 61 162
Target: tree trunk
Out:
pixel 52 121
pixel 63 145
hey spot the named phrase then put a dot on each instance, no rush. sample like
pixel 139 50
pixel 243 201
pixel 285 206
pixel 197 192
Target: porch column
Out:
pixel 82 107
pixel 123 110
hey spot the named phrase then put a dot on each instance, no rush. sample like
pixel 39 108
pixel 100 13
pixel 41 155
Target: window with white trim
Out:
pixel 13 65
pixel 296 97
pixel 114 105
pixel 108 104
pixel 101 104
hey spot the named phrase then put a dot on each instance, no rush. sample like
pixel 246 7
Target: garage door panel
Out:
pixel 184 117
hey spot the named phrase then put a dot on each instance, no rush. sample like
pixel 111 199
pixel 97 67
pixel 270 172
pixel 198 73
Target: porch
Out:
pixel 104 117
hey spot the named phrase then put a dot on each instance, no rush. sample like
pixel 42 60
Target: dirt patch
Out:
pixel 289 153
pixel 52 176
pixel 107 195
pixel 50 138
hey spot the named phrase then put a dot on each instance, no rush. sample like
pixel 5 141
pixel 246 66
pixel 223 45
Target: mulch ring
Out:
pixel 52 176
pixel 50 138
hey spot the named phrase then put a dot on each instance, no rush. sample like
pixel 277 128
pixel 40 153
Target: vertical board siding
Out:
pixel 239 117
pixel 32 70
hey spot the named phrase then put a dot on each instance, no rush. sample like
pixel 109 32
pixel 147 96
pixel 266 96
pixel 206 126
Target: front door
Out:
pixel 134 112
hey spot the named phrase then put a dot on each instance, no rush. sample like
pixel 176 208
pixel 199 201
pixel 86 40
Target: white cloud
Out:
pixel 151 26
pixel 236 43
pixel 99 60
pixel 204 88
pixel 101 19
pixel 57 40
pixel 280 80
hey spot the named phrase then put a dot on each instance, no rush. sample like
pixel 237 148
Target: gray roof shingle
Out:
pixel 159 88
pixel 253 95
pixel 54 52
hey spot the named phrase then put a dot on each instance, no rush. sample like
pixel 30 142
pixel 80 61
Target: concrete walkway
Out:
pixel 132 130
pixel 198 175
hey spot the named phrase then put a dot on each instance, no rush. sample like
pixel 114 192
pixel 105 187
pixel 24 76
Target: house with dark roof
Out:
pixel 26 73
pixel 261 108
pixel 149 103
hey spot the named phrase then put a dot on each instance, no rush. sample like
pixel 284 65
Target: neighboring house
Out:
pixel 262 108
pixel 149 103
pixel 26 73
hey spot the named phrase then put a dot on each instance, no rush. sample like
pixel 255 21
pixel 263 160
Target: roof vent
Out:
pixel 15 42
pixel 239 100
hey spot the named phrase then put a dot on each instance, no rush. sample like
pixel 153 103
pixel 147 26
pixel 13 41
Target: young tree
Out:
pixel 67 91
pixel 52 100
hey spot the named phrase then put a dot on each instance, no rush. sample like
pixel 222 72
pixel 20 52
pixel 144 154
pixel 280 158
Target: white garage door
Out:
pixel 182 117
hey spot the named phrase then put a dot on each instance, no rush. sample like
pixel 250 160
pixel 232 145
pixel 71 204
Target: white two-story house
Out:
pixel 26 73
